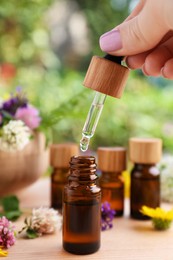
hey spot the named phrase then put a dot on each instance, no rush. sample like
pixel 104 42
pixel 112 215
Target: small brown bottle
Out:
pixel 112 162
pixel 60 156
pixel 145 176
pixel 81 207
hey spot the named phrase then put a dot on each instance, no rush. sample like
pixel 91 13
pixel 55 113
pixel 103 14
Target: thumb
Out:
pixel 141 33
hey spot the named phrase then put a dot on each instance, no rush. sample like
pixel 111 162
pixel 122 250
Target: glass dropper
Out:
pixel 95 112
pixel 92 120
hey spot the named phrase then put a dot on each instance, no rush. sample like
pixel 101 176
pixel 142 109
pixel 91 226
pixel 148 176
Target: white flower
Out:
pixel 15 135
pixel 45 220
pixel 166 169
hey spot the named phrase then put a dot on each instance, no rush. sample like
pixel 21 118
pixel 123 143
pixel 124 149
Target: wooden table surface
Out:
pixel 127 240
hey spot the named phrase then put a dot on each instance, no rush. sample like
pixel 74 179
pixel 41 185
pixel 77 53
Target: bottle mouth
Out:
pixel 83 164
pixel 83 158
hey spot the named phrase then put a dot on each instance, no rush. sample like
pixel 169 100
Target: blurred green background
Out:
pixel 46 47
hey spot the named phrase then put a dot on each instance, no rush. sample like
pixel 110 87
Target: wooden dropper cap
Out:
pixel 106 75
pixel 111 159
pixel 60 154
pixel 145 150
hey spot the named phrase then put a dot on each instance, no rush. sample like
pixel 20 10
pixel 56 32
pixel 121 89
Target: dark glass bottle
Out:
pixel 145 176
pixel 60 156
pixel 81 207
pixel 112 162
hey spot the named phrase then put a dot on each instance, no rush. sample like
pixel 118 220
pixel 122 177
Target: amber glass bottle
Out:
pixel 145 176
pixel 59 157
pixel 81 207
pixel 112 162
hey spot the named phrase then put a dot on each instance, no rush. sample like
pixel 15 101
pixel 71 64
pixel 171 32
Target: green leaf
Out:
pixel 10 203
pixel 10 206
pixel 7 115
pixel 13 215
pixel 31 233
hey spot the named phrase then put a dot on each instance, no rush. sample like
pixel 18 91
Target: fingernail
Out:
pixel 111 41
pixel 127 62
pixel 163 72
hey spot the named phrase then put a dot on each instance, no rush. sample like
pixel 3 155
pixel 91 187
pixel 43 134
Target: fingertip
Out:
pixel 130 63
pixel 166 74
pixel 136 61
pixel 167 69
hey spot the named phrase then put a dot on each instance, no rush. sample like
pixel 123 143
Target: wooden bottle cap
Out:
pixel 145 150
pixel 111 159
pixel 60 154
pixel 106 76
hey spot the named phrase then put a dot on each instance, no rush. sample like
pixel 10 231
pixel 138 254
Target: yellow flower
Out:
pixel 126 177
pixel 161 219
pixel 3 252
pixel 157 213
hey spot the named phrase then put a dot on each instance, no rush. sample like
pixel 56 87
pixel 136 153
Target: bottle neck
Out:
pixel 110 175
pixel 82 170
pixel 140 166
pixel 60 169
pixel 59 174
pixel 147 169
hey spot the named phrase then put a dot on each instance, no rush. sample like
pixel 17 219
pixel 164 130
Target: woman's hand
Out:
pixel 145 38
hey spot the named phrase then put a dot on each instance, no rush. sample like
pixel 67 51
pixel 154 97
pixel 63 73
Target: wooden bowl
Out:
pixel 20 169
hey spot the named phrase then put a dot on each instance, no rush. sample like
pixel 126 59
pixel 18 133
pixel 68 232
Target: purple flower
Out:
pixel 29 115
pixel 7 237
pixel 107 216
pixel 12 104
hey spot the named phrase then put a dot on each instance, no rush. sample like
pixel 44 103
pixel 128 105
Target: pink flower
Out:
pixel 29 115
pixel 7 237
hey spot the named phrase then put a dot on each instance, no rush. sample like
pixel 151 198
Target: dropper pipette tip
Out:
pixel 84 143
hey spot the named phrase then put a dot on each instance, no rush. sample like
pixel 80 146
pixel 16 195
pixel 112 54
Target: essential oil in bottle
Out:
pixel 60 156
pixel 112 162
pixel 82 207
pixel 145 176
